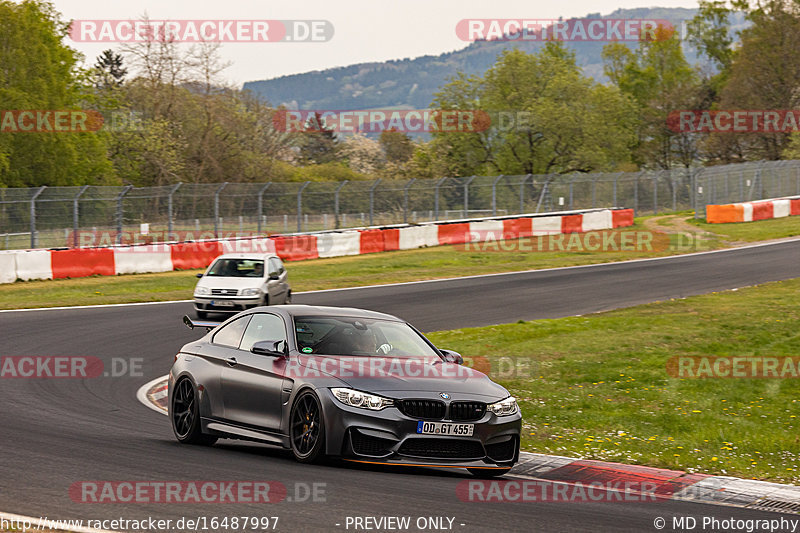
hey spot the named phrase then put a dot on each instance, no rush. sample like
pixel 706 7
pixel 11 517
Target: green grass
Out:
pixel 598 386
pixel 776 228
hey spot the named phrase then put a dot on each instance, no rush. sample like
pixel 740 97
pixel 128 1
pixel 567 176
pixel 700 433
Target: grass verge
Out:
pixel 599 389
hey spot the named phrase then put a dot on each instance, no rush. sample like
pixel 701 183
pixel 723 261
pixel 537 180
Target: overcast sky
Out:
pixel 365 30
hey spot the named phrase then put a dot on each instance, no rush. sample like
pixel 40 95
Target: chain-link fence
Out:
pixel 90 216
pixel 744 182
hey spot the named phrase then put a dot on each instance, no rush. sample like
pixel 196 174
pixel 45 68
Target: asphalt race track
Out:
pixel 57 432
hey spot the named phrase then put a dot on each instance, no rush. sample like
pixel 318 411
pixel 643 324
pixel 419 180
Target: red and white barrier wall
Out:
pixel 81 262
pixel 751 211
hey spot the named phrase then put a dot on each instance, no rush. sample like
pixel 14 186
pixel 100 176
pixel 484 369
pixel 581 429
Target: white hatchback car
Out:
pixel 235 282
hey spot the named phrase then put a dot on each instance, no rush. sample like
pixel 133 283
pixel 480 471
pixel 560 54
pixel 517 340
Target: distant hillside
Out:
pixel 410 83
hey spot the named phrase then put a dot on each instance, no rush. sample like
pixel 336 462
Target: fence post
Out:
pixel 336 203
pixel 372 199
pixel 33 214
pixel 494 194
pixel 436 198
pixel 636 193
pixel 120 196
pixel 405 199
pixel 655 194
pixel 216 209
pixel 170 221
pixel 616 177
pixel 594 192
pixel 522 193
pixel 75 220
pixel 573 178
pixel 300 206
pixel 674 192
pixel 261 206
pixel 466 195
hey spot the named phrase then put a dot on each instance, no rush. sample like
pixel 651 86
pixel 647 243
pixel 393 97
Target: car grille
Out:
pixel 502 451
pixel 366 445
pixel 442 448
pixel 425 409
pixel 467 410
pixel 224 292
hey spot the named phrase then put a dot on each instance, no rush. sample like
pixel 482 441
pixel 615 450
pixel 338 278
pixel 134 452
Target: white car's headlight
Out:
pixel 202 290
pixel 504 407
pixel 251 292
pixel 355 398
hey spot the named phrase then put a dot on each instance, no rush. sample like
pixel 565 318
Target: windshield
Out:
pixel 237 268
pixel 359 336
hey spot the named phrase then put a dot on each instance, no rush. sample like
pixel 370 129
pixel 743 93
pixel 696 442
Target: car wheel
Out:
pixel 288 299
pixel 488 473
pixel 185 415
pixel 202 314
pixel 307 430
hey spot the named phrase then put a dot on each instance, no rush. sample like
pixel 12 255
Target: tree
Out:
pixel 660 80
pixel 546 118
pixel 108 70
pixel 39 72
pixel 318 143
pixel 397 146
pixel 764 74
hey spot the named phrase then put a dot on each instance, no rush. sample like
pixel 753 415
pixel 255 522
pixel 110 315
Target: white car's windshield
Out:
pixel 359 336
pixel 237 268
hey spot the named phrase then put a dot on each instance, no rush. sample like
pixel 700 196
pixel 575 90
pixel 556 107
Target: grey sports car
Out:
pixel 349 383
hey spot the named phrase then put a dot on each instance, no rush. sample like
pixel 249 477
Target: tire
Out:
pixel 288 299
pixel 307 428
pixel 488 473
pixel 202 314
pixel 185 415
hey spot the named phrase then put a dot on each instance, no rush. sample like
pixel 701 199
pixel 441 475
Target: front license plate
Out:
pixel 445 428
pixel 222 303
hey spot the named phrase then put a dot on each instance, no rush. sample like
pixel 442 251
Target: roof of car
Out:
pixel 318 310
pixel 243 255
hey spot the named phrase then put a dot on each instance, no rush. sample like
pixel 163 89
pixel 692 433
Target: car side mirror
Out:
pixel 452 357
pixel 270 348
pixel 274 276
pixel 199 275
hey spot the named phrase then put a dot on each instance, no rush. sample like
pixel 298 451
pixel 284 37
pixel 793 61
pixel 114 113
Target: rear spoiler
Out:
pixel 191 324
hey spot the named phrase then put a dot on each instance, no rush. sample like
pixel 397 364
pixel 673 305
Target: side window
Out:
pixel 263 327
pixel 275 266
pixel 231 334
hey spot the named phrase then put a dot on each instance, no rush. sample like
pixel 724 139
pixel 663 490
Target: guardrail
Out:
pixel 80 262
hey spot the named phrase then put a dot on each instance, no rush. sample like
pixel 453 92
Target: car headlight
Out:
pixel 202 290
pixel 251 292
pixel 355 398
pixel 504 407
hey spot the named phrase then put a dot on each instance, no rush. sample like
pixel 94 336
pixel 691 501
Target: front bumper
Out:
pixel 390 437
pixel 211 303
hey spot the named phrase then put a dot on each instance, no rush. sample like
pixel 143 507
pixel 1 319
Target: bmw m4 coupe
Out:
pixel 338 382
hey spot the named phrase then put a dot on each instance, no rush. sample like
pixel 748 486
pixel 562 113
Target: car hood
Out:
pixel 392 374
pixel 223 282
